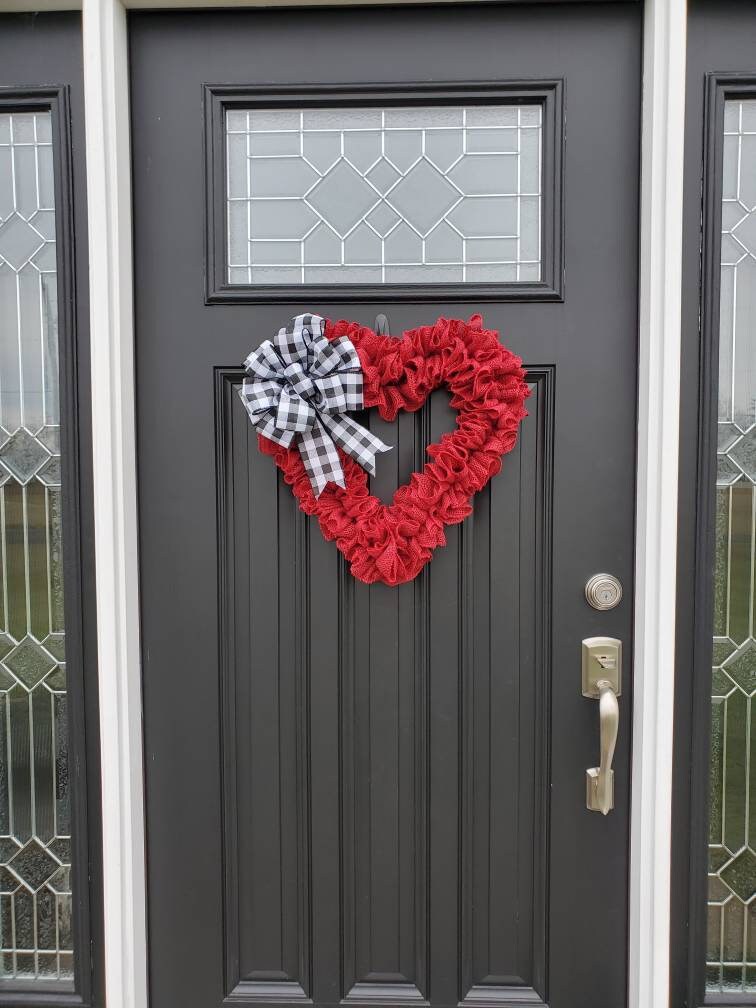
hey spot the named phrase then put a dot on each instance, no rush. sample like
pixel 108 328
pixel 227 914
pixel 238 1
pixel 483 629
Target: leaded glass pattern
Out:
pixel 731 947
pixel 35 843
pixel 396 195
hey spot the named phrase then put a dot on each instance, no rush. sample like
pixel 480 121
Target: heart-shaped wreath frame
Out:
pixel 393 542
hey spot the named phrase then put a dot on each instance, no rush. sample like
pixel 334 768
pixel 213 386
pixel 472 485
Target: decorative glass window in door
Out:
pixel 731 947
pixel 438 194
pixel 35 844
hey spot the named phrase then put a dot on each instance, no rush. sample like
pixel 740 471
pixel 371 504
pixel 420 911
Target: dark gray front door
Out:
pixel 373 795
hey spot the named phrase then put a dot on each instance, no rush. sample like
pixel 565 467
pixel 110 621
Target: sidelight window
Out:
pixel 35 810
pixel 731 945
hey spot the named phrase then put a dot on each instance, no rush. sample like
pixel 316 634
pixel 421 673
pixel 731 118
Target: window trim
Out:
pixel 114 494
pixel 222 98
pixel 659 341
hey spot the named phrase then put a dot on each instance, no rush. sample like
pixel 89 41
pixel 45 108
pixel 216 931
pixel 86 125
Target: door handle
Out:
pixel 599 781
pixel 602 681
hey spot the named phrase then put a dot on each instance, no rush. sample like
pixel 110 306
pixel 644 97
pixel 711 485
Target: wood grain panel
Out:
pixel 384 744
pixel 265 725
pixel 503 724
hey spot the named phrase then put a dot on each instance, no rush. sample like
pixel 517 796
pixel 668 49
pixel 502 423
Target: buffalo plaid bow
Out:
pixel 299 387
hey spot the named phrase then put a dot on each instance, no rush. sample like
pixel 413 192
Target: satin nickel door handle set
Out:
pixel 602 681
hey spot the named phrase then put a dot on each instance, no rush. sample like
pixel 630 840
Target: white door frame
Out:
pixel 115 503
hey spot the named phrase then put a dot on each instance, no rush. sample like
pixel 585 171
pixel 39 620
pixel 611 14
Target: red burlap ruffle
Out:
pixel 392 543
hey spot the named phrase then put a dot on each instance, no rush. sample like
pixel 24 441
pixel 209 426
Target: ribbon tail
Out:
pixel 321 459
pixel 355 440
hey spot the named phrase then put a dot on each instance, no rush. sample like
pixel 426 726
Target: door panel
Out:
pixel 368 676
pixel 358 793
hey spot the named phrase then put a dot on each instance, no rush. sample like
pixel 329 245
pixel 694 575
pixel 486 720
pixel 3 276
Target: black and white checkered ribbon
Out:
pixel 299 387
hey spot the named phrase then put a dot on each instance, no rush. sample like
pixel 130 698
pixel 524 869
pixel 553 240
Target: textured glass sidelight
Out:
pixel 397 195
pixel 35 842
pixel 731 947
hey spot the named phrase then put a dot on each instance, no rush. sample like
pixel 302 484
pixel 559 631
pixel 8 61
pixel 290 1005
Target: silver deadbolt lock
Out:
pixel 603 591
pixel 602 681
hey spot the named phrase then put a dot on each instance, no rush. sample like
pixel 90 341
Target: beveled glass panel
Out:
pixel 731 943
pixel 396 195
pixel 35 858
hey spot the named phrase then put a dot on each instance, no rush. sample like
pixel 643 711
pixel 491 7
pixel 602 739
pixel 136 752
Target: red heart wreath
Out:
pixel 392 543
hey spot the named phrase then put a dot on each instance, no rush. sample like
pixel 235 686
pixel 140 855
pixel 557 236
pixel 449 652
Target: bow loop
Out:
pixel 331 397
pixel 299 386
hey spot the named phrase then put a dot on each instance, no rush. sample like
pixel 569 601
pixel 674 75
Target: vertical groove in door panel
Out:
pixel 302 793
pixel 502 728
pixel 444 650
pixel 420 603
pixel 265 684
pixel 384 842
pixel 329 635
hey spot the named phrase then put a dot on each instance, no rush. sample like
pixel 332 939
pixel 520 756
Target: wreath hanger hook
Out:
pixel 382 325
